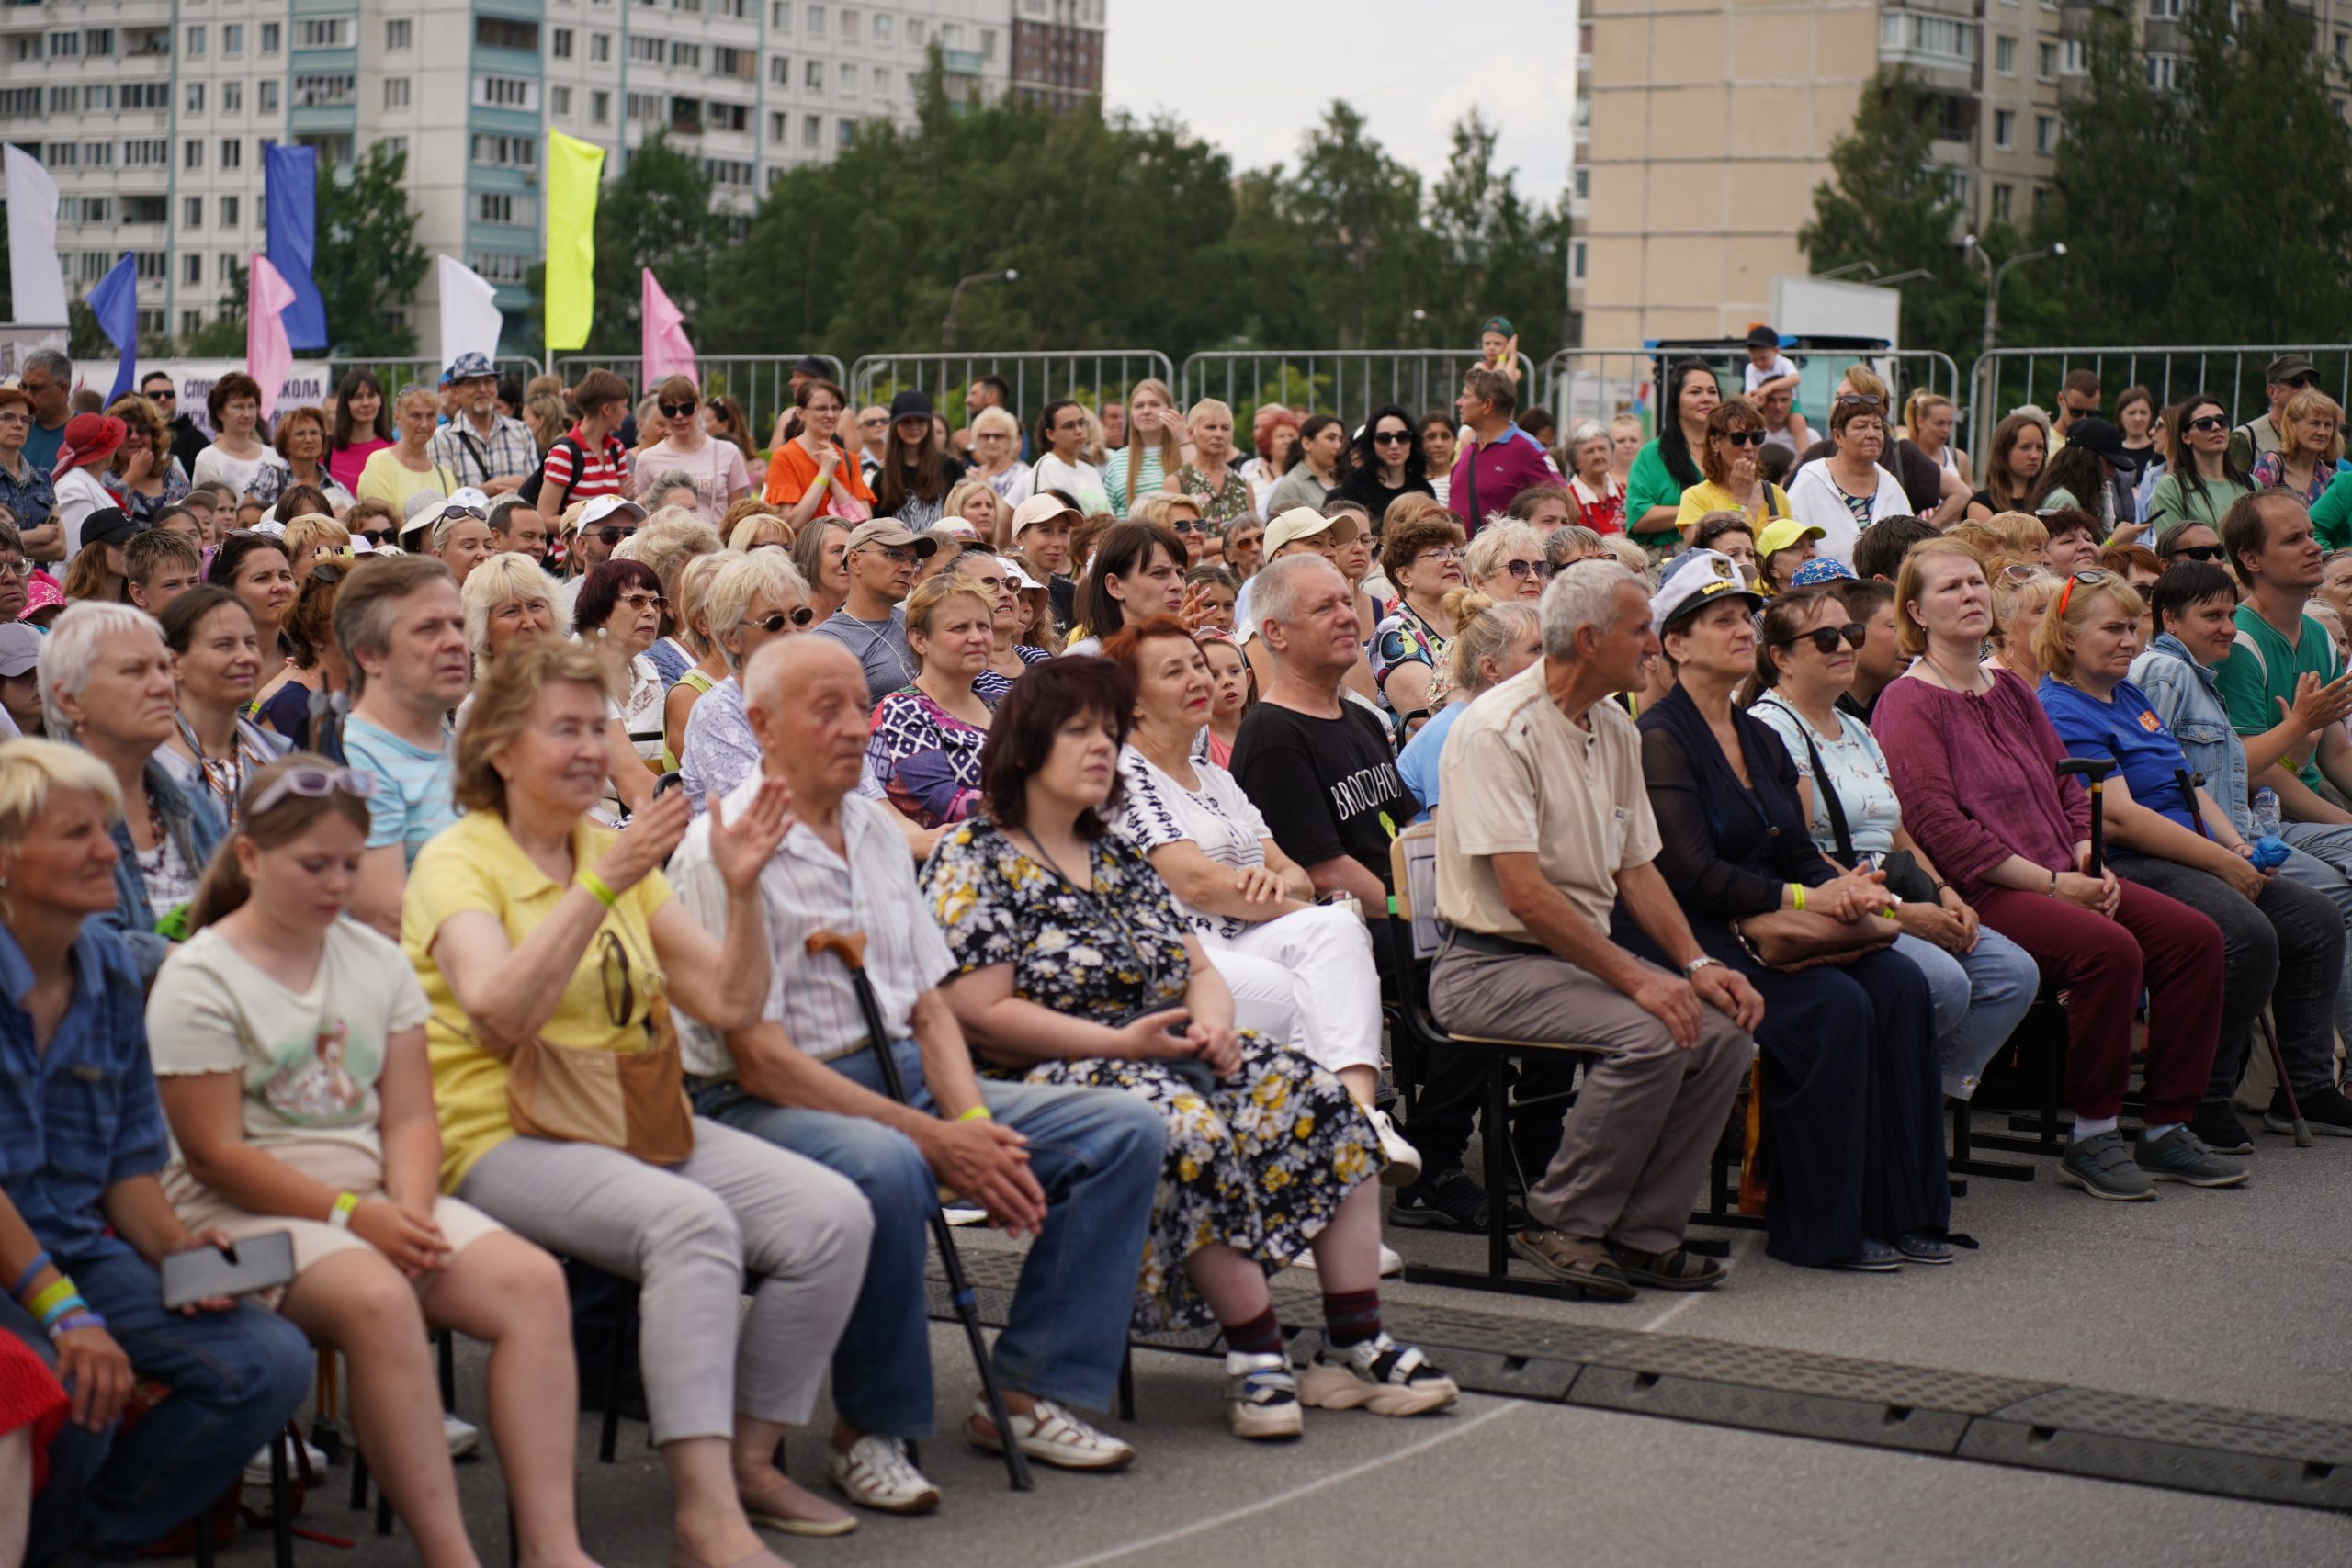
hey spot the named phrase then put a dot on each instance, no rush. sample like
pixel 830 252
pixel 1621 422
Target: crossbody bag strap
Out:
pixel 1828 791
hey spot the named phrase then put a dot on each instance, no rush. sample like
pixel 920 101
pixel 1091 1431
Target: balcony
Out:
pixel 962 62
pixel 1943 50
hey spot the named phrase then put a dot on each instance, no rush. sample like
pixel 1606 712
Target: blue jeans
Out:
pixel 2322 861
pixel 1979 999
pixel 236 1377
pixel 1097 1152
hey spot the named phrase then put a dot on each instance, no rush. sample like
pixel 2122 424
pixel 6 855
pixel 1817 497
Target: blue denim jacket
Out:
pixel 194 824
pixel 2184 695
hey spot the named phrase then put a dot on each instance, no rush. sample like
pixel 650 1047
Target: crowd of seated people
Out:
pixel 426 867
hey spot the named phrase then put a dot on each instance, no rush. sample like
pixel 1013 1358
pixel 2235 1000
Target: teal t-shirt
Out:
pixel 2263 666
pixel 2332 513
pixel 1647 484
pixel 413 800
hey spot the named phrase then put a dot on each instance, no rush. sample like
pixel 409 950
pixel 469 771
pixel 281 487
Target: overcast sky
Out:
pixel 1236 72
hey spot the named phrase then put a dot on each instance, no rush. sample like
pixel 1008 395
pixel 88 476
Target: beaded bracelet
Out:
pixel 87 1318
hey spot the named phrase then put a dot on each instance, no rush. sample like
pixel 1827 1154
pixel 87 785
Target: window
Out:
pixel 987 43
pixel 195 42
pixel 728 117
pixel 500 267
pixel 1911 34
pixel 146 154
pixel 270 34
pixel 232 98
pixel 780 15
pixel 849 81
pixel 194 270
pixel 505 92
pixel 98 154
pixel 815 19
pixel 2162 70
pixel 98 42
pixel 195 99
pixel 225 269
pixel 2045 134
pixel 779 128
pixel 190 321
pixel 143 209
pixel 559 43
pixel 686 116
pixel 780 70
pixel 951 35
pixel 2045 63
pixel 268 101
pixel 502 206
pixel 60 154
pixel 849 24
pixel 2004 127
pixel 192 154
pixel 68 46
pixel 328 89
pixel 727 172
pixel 646 107
pixel 1575 260
pixel 2164 10
pixel 2343 41
pixel 686 54
pixel 812 76
pixel 882 29
pixel 91 265
pixel 2005 56
pixel 739 63
pixel 143 95
pixel 2070 62
pixel 227 212
pixel 1584 183
pixel 881 81
pixel 232 38
pixel 232 152
pixel 64 100
pixel 645 48
pixel 600 47
pixel 914 32
pixel 20 103
pixel 499 32
pixel 844 133
pixel 396 91
pixel 812 130
pixel 600 108
pixel 2001 196
pixel 322 32
pixel 560 101
pixel 399 34
pixel 191 213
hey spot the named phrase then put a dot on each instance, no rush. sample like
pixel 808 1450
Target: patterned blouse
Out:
pixel 1403 638
pixel 926 760
pixel 991 686
pixel 142 507
pixel 2270 473
pixel 1219 505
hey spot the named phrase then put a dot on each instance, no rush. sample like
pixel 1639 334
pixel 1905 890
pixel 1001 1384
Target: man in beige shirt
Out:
pixel 1545 825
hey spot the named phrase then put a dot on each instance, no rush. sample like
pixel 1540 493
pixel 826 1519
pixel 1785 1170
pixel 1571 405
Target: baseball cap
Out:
pixel 2096 434
pixel 912 403
pixel 1783 532
pixel 466 495
pixel 1705 577
pixel 605 507
pixel 20 648
pixel 110 525
pixel 891 533
pixel 1305 522
pixel 2286 367
pixel 422 522
pixel 1043 507
pixel 1761 337
pixel 1497 324
pixel 1021 578
pixel 470 367
pixel 810 364
pixel 1823 568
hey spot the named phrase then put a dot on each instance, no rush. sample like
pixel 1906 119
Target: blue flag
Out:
pixel 115 301
pixel 290 196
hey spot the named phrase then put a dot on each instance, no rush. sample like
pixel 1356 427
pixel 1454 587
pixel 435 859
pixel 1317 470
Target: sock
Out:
pixel 1259 1335
pixel 1350 1317
pixel 2091 1127
pixel 2158 1129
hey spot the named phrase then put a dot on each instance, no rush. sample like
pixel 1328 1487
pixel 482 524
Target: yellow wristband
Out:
pixel 1797 889
pixel 345 1205
pixel 602 889
pixel 978 1114
pixel 57 1291
pixel 820 483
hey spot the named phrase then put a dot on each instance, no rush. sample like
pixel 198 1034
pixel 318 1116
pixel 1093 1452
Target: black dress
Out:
pixel 1853 1138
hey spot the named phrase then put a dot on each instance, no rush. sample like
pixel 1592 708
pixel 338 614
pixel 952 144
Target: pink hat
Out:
pixel 90 438
pixel 41 592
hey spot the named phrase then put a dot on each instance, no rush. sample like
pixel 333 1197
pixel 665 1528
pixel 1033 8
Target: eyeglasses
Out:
pixel 313 784
pixel 162 397
pixel 1185 526
pixel 1825 640
pixel 641 599
pixel 1745 437
pixel 877 422
pixel 676 411
pixel 1442 553
pixel 2090 577
pixel 1520 570
pixel 610 532
pixel 775 624
pixel 2198 552
pixel 375 536
pixel 2207 422
pixel 2301 383
pixel 17 567
pixel 1393 438
pixel 898 557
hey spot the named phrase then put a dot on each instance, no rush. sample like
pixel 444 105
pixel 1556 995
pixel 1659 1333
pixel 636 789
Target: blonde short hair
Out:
pixel 995 421
pixel 936 590
pixel 2054 639
pixel 2308 407
pixel 501 579
pixel 667 543
pixel 504 701
pixel 729 598
pixel 758 529
pixel 694 589
pixel 1494 542
pixel 315 528
pixel 1909 635
pixel 31 771
pixel 1154 508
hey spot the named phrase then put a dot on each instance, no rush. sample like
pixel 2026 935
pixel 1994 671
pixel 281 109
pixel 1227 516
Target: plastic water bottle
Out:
pixel 2266 813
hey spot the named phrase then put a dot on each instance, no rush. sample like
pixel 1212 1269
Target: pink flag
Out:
pixel 667 352
pixel 268 356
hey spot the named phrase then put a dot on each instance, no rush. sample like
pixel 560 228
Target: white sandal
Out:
pixel 1050 1435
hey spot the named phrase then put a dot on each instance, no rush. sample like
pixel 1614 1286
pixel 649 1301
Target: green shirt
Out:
pixel 2173 502
pixel 2332 514
pixel 1647 484
pixel 2263 666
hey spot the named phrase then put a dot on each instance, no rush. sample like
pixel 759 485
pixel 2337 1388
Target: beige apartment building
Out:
pixel 1712 120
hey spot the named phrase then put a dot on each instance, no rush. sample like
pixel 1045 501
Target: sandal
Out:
pixel 1681 1269
pixel 1584 1265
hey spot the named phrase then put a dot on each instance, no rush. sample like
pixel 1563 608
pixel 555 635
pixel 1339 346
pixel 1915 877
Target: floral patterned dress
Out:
pixel 1220 504
pixel 1260 1161
pixel 1403 638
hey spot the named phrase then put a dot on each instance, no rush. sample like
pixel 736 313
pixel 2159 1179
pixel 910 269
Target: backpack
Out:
pixel 531 487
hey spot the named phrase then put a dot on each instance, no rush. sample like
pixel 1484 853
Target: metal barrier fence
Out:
pixel 1347 382
pixel 762 383
pixel 1599 384
pixel 394 373
pixel 1090 376
pixel 2007 378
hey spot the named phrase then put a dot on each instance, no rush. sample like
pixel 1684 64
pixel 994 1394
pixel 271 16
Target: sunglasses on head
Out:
pixel 1825 640
pixel 1745 437
pixel 313 784
pixel 773 623
pixel 476 513
pixel 1859 401
pixel 677 410
pixel 2090 577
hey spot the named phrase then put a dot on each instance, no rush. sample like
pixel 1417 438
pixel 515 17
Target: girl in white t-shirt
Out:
pixel 288 1043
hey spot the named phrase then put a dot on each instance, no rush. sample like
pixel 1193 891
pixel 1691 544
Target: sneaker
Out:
pixel 2218 1128
pixel 2179 1156
pixel 1450 1200
pixel 1922 1246
pixel 463 1437
pixel 874 1472
pixel 1378 1375
pixel 1050 1435
pixel 1391 1265
pixel 2102 1166
pixel 964 1216
pixel 1262 1396
pixel 1403 1167
pixel 1875 1257
pixel 2326 1112
pixel 257 1467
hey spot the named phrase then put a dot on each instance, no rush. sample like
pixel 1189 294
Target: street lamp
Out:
pixel 1996 274
pixel 947 327
pixel 1850 266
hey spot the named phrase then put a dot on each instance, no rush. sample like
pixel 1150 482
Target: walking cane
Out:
pixel 2269 1030
pixel 850 950
pixel 2095 770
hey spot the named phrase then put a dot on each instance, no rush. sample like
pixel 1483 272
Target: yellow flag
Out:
pixel 574 169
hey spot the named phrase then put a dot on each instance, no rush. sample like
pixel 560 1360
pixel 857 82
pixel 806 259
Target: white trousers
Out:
pixel 1307 979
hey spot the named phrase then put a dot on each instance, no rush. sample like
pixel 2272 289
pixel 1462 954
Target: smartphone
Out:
pixel 256 1263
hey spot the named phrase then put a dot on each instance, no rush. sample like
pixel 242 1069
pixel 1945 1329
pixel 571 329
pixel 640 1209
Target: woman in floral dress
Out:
pixel 1074 968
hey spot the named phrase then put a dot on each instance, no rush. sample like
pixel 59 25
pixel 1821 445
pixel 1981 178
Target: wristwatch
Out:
pixel 1702 962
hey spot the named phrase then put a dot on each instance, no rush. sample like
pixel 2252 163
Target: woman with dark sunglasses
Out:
pixel 1979 983
pixel 715 466
pixel 1735 439
pixel 749 605
pixel 2202 480
pixel 1388 463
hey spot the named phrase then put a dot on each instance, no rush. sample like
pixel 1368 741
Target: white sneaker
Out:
pixel 257 1467
pixel 1050 1435
pixel 875 1473
pixel 1391 1265
pixel 1261 1397
pixel 966 1216
pixel 1378 1375
pixel 1404 1166
pixel 463 1437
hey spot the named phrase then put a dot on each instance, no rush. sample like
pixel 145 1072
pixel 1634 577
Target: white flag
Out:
pixel 34 273
pixel 470 319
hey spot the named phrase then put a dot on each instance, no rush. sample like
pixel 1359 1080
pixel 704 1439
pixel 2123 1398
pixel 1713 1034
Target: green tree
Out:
pixel 656 213
pixel 224 336
pixel 1360 212
pixel 1496 251
pixel 1889 205
pixel 369 265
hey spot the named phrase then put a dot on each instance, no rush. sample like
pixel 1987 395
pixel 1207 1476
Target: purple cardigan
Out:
pixel 1977 777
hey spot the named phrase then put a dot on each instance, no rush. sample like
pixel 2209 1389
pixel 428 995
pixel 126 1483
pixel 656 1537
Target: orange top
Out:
pixel 792 470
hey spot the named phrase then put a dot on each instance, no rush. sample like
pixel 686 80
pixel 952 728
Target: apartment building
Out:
pixel 1056 50
pixel 152 114
pixel 1712 123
